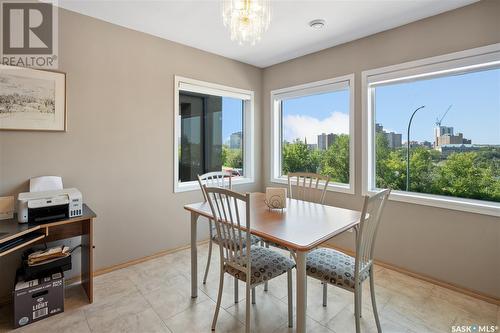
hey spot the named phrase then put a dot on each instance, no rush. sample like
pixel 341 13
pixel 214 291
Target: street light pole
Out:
pixel 408 149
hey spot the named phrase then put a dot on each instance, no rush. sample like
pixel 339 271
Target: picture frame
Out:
pixel 32 99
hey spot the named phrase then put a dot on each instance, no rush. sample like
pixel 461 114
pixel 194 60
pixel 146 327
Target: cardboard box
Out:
pixel 38 299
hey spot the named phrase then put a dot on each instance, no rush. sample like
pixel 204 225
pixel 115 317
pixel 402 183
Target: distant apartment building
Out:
pixel 394 140
pixel 312 146
pixel 444 135
pixel 326 140
pixel 322 141
pixel 235 140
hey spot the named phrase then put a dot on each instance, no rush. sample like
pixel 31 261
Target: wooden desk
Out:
pixel 302 226
pixel 57 230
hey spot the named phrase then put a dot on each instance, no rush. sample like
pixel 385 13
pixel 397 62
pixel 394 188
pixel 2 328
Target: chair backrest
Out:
pixel 219 179
pixel 367 229
pixel 308 186
pixel 231 214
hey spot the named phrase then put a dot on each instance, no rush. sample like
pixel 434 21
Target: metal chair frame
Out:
pixel 227 210
pixel 365 244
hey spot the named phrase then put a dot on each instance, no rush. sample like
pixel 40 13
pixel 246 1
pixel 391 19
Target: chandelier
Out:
pixel 247 19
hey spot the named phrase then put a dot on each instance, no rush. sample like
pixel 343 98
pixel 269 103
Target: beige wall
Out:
pixel 118 149
pixel 457 247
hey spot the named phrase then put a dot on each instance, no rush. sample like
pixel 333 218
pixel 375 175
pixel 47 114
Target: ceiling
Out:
pixel 199 23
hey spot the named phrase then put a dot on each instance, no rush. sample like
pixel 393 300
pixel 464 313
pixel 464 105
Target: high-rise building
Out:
pixel 322 141
pixel 394 139
pixel 331 139
pixel 235 140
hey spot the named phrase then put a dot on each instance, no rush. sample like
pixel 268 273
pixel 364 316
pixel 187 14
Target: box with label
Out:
pixel 38 299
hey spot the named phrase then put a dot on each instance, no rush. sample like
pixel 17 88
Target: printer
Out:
pixel 46 206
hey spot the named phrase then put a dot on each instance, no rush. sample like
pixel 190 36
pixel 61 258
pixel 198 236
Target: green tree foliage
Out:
pixel 461 175
pixel 232 158
pixel 297 157
pixel 335 160
pixel 474 175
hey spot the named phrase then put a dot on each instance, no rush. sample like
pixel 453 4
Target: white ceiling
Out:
pixel 199 23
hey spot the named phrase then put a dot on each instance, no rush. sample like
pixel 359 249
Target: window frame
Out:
pixel 453 63
pixel 197 86
pixel 307 89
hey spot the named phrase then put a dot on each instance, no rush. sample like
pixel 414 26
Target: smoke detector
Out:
pixel 317 24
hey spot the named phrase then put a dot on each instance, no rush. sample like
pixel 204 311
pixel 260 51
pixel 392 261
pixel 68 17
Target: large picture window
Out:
pixel 312 131
pixel 212 132
pixel 435 133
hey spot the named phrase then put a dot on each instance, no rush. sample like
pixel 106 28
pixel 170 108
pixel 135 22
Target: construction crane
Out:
pixel 438 121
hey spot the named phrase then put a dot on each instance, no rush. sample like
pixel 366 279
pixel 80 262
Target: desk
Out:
pixel 53 231
pixel 302 226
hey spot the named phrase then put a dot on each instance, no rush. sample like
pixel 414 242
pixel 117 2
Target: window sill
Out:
pixel 332 187
pixel 194 186
pixel 459 204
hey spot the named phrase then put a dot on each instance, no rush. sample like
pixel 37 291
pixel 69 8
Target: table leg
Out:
pixel 301 291
pixel 194 256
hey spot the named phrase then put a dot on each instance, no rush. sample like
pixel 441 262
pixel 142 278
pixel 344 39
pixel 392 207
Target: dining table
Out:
pixel 301 227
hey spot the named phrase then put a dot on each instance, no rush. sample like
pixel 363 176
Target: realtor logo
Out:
pixel 29 36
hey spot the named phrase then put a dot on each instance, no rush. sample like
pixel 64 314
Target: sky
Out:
pixel 475 111
pixel 232 117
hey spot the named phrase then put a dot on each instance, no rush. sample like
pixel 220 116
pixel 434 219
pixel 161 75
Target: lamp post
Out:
pixel 408 149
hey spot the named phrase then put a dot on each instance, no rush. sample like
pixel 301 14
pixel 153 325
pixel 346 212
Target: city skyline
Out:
pixel 475 112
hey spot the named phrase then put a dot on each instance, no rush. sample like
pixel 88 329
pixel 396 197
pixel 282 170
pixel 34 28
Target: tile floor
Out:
pixel 154 296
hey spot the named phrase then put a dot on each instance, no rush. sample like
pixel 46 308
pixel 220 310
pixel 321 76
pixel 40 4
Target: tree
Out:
pixel 232 158
pixel 462 176
pixel 335 161
pixel 297 157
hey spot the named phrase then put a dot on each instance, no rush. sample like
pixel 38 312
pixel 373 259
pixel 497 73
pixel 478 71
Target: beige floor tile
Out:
pixel 146 321
pixel 267 315
pixel 311 325
pixel 113 283
pixel 198 318
pixel 154 296
pixel 66 322
pixel 114 307
pixel 478 311
pixel 344 322
pixel 211 289
pixel 170 300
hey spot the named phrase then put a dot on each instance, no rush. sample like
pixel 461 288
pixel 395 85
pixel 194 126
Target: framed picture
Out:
pixel 32 99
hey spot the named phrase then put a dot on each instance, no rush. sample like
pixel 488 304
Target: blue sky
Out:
pixel 475 112
pixel 232 116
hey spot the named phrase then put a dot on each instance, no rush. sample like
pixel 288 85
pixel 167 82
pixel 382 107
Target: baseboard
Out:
pixel 451 286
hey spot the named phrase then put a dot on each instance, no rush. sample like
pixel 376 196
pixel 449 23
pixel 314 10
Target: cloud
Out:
pixel 298 126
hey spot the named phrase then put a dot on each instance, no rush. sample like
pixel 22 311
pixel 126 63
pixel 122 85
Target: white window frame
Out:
pixel 311 88
pixel 453 63
pixel 203 87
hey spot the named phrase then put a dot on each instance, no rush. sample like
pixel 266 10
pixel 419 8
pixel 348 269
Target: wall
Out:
pixel 118 149
pixel 457 247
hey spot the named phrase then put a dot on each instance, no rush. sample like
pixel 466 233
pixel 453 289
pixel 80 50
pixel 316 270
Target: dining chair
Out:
pixel 252 264
pixel 218 179
pixel 308 186
pixel 341 270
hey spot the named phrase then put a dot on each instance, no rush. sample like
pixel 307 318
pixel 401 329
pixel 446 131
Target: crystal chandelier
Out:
pixel 247 19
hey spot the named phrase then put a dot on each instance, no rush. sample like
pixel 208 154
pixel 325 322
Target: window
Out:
pixel 312 131
pixel 448 153
pixel 213 132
